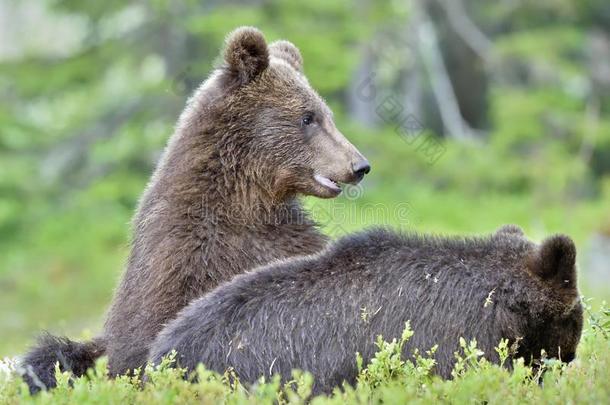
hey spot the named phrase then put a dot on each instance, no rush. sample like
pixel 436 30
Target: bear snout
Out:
pixel 360 168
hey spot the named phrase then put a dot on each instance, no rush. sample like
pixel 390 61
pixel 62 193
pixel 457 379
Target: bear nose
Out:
pixel 361 168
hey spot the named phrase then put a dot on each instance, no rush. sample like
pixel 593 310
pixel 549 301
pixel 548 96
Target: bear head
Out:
pixel 559 311
pixel 274 126
pixel 547 312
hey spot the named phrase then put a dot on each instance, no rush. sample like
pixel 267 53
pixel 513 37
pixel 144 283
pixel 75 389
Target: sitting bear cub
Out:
pixel 224 199
pixel 307 313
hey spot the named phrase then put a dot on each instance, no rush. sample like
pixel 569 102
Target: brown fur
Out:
pixel 315 313
pixel 223 198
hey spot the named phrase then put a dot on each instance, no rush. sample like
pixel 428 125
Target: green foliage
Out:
pixel 387 378
pixel 599 321
pixel 470 360
pixel 388 364
pixel 82 129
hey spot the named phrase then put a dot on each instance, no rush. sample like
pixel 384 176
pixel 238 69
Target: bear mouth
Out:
pixel 328 183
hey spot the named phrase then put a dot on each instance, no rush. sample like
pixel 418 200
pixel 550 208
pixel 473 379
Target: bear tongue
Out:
pixel 326 182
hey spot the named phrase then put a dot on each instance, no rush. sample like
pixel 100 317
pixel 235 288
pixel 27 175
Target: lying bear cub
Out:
pixel 314 313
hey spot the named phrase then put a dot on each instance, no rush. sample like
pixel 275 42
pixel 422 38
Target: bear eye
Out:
pixel 307 119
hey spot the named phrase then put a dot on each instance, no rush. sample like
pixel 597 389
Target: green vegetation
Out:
pixel 84 117
pixel 387 379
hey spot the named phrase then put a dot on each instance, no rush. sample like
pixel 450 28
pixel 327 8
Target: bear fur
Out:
pixel 307 313
pixel 223 199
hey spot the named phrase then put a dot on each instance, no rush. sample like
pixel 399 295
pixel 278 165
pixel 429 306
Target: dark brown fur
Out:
pixel 223 199
pixel 315 313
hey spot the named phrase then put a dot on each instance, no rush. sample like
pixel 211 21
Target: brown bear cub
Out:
pixel 223 199
pixel 307 313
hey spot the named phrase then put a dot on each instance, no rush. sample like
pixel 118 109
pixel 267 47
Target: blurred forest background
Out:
pixel 473 114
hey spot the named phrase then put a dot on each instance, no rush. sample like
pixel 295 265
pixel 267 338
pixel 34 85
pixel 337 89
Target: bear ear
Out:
pixel 510 229
pixel 288 52
pixel 246 53
pixel 555 261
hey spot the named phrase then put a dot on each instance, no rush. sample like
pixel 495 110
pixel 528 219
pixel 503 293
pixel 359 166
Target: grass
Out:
pixel 59 271
pixel 387 379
